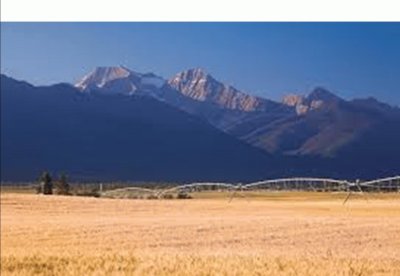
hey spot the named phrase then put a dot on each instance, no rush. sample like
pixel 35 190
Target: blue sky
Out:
pixel 267 59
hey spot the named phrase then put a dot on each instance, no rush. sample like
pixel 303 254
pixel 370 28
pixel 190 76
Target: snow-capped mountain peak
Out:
pixel 119 80
pixel 199 85
pixel 193 84
pixel 101 75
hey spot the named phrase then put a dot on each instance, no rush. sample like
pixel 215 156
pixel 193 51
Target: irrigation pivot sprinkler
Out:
pixel 236 188
pixel 357 184
pixel 297 183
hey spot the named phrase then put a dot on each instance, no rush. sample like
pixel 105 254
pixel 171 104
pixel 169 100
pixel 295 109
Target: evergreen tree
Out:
pixel 46 183
pixel 62 185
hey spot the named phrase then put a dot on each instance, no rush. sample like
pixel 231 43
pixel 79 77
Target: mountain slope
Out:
pixel 325 126
pixel 222 105
pixel 201 86
pixel 194 91
pixel 120 124
pixel 98 136
pixel 319 124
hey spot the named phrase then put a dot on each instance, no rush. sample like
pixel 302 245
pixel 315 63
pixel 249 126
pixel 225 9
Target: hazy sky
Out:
pixel 267 59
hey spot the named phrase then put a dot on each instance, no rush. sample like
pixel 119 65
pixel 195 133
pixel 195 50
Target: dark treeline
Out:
pixel 49 184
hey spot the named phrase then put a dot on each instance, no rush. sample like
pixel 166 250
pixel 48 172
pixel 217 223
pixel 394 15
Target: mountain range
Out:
pixel 118 124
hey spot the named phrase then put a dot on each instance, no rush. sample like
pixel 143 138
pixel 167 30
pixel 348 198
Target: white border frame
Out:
pixel 200 10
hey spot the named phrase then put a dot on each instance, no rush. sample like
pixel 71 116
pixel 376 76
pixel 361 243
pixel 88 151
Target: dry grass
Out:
pixel 286 233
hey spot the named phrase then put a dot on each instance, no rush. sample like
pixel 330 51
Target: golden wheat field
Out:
pixel 279 234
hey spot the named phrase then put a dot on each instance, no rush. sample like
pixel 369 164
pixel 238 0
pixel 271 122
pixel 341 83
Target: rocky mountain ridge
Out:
pixel 319 125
